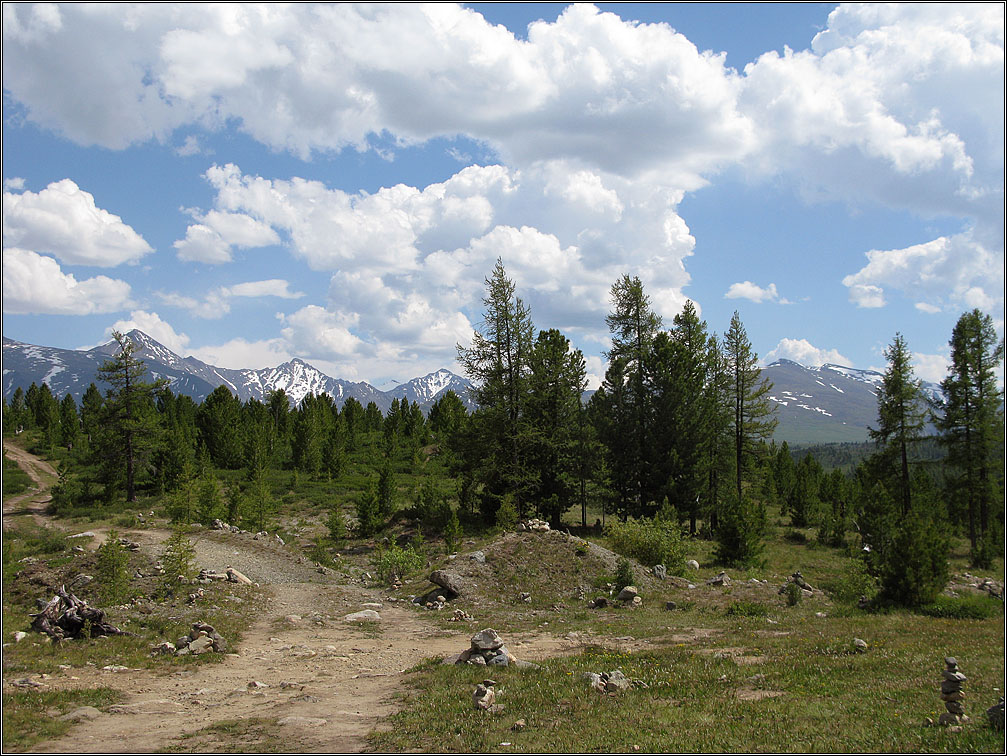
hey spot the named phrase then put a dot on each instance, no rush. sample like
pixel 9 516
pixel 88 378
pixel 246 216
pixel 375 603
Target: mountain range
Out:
pixel 72 371
pixel 830 403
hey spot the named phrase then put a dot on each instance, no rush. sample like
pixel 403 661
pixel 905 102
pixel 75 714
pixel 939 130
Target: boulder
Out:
pixel 660 572
pixel 995 713
pixel 236 577
pixel 201 645
pixel 483 697
pixel 447 580
pixel 719 579
pixel 367 615
pixel 628 593
pixel 860 645
pixel 486 640
pixel 692 564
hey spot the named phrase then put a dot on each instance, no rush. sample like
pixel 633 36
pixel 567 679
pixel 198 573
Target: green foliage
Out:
pixel 15 480
pixel 178 560
pixel 623 574
pixel 336 524
pixel 369 519
pixel 452 532
pixel 749 608
pixel 915 567
pixel 386 492
pixel 793 594
pixel 855 581
pixel 740 532
pixel 963 607
pixel 506 515
pixel 396 562
pixel 112 570
pixel 209 503
pixel 650 542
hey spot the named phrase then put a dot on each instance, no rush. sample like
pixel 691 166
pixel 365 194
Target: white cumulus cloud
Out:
pixel 805 353
pixel 152 325
pixel 35 284
pixel 63 220
pixel 753 292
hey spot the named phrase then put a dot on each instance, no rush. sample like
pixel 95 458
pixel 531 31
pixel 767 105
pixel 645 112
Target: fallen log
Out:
pixel 66 616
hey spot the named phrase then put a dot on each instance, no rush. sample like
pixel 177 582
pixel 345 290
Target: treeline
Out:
pixel 678 432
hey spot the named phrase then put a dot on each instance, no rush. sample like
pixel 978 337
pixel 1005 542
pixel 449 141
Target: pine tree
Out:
pixel 69 422
pixel 219 422
pixel 901 417
pixel 753 412
pixel 972 429
pixel 497 362
pixel 634 326
pixel 129 423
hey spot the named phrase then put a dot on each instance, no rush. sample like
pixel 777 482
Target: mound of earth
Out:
pixel 541 569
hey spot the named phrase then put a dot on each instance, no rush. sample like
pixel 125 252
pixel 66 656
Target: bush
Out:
pixel 395 562
pixel 964 607
pixel 112 570
pixel 177 560
pixel 739 533
pixel 650 542
pixel 623 574
pixel 336 524
pixel 793 594
pixel 914 568
pixel 452 532
pixel 506 515
pixel 855 582
pixel 369 519
pixel 748 609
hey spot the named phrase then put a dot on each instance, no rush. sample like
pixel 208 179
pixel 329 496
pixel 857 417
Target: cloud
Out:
pixel 237 354
pixel 313 77
pixel 804 353
pixel 407 264
pixel 216 303
pixel 212 239
pixel 754 293
pixel 35 284
pixel 152 325
pixel 931 367
pixel 63 220
pixel 950 271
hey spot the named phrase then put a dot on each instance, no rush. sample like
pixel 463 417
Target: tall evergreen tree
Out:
pixel 129 422
pixel 557 380
pixel 497 363
pixel 753 411
pixel 69 422
pixel 901 417
pixel 634 326
pixel 718 440
pixel 972 428
pixel 219 422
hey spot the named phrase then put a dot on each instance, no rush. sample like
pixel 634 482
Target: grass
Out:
pixel 806 691
pixel 32 716
pixel 15 480
pixel 247 735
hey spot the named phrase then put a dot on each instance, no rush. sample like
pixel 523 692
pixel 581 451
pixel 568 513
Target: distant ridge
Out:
pixel 72 371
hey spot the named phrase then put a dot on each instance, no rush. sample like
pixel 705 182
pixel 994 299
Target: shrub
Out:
pixel 793 594
pixel 855 582
pixel 112 570
pixel 452 532
pixel 623 574
pixel 739 533
pixel 336 524
pixel 396 562
pixel 914 568
pixel 369 519
pixel 650 542
pixel 177 560
pixel 963 607
pixel 748 609
pixel 506 515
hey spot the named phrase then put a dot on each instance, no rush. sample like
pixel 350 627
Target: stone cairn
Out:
pixel 486 648
pixel 952 694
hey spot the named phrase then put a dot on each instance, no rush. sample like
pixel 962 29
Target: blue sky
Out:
pixel 249 184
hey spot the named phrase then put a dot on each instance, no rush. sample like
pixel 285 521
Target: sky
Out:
pixel 249 184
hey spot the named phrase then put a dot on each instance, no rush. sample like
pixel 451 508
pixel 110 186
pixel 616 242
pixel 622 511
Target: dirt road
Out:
pixel 321 683
pixel 42 474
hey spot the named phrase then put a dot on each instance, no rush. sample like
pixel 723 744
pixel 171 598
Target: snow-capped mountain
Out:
pixel 72 371
pixel 827 403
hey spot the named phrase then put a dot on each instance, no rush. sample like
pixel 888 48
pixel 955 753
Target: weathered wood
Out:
pixel 66 616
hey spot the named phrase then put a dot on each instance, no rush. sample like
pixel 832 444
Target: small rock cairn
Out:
pixel 534 525
pixel 486 648
pixel 952 694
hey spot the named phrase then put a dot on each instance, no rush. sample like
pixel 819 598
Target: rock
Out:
pixel 483 697
pixel 859 645
pixel 478 556
pixel 19 636
pixel 487 640
pixel 598 602
pixel 692 564
pixel 628 593
pixel 955 707
pixel 201 645
pixel 256 685
pixel 660 572
pixel 79 581
pixel 948 719
pixel 995 713
pixel 447 580
pixel 363 616
pixel 524 597
pixel 954 676
pixel 302 721
pixel 636 602
pixel 80 714
pixel 719 579
pixel 371 605
pixel 950 686
pixel 670 606
pixel 167 647
pixel 518 725
pixel 955 695
pixel 500 660
pixel 236 577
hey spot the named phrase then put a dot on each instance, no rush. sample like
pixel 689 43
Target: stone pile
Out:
pixel 461 615
pixel 612 682
pixel 231 575
pixel 534 525
pixel 484 697
pixel 720 578
pixel 201 639
pixel 486 648
pixel 996 715
pixel 221 525
pixel 952 694
pixel 800 582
